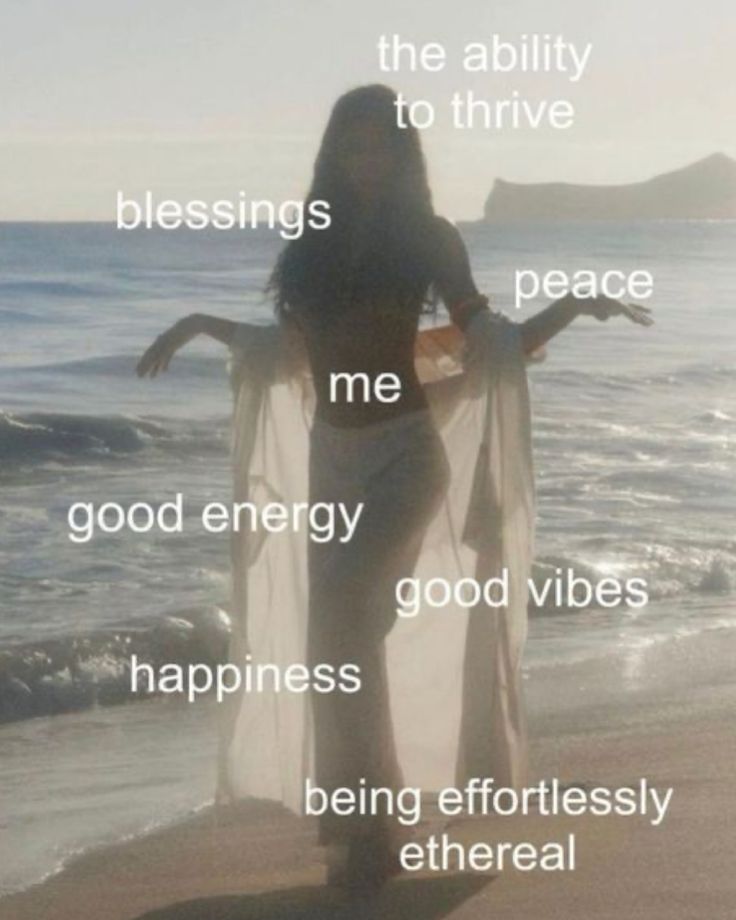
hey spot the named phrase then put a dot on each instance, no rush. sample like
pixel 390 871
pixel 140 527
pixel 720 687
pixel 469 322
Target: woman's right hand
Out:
pixel 603 308
pixel 157 356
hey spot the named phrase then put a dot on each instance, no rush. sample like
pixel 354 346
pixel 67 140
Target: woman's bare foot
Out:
pixel 371 863
pixel 336 858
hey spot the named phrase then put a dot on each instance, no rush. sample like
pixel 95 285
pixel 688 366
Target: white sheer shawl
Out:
pixel 454 674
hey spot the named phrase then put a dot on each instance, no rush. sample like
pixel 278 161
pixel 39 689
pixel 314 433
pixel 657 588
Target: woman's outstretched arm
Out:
pixel 540 328
pixel 458 290
pixel 158 355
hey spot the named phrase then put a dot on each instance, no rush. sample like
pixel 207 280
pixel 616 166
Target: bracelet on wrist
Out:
pixel 463 312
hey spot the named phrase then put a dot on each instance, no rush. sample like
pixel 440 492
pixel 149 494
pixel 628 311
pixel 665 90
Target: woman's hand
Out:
pixel 540 328
pixel 158 356
pixel 603 308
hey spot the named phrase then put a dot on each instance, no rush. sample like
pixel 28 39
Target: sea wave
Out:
pixel 120 365
pixel 77 672
pixel 54 287
pixel 42 437
pixel 663 571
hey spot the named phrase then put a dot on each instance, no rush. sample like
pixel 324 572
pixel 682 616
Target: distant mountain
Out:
pixel 706 189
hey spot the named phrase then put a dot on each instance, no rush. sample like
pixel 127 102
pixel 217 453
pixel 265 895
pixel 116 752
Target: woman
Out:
pixel 352 295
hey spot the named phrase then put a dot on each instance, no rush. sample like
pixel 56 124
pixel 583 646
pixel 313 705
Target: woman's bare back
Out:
pixel 367 339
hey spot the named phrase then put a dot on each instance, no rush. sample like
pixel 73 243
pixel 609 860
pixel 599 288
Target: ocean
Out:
pixel 634 435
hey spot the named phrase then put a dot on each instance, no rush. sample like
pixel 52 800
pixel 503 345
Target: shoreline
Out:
pixel 671 723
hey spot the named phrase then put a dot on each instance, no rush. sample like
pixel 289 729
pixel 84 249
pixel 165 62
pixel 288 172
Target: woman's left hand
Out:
pixel 603 308
pixel 158 356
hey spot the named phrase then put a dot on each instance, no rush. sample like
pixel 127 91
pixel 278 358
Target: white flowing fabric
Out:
pixel 454 674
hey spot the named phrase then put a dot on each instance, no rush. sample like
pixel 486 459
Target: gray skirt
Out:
pixel 399 471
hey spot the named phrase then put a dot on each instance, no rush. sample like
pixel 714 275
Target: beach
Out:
pixel 633 444
pixel 669 720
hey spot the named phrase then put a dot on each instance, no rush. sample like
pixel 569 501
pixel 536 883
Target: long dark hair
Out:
pixel 314 271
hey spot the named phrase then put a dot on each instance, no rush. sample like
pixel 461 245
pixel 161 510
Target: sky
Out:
pixel 195 99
